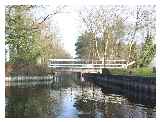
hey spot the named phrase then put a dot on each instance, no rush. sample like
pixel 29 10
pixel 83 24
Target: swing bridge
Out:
pixel 94 63
pixel 83 65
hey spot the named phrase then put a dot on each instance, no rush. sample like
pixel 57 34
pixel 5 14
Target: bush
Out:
pixel 144 71
pixel 119 71
pixel 27 70
pixel 106 71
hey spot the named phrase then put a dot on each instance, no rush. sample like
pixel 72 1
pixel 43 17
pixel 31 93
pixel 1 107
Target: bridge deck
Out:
pixel 77 64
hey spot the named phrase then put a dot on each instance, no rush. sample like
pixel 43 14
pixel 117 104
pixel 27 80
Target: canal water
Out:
pixel 68 97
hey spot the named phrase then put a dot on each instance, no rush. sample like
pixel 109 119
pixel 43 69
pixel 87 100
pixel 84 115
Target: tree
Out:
pixel 134 52
pixel 105 29
pixel 145 22
pixel 82 46
pixel 148 51
pixel 20 37
pixel 28 39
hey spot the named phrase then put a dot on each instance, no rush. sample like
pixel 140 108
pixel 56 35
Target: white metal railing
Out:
pixel 83 60
pixel 87 64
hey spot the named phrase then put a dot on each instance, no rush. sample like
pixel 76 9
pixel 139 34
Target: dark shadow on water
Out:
pixel 133 97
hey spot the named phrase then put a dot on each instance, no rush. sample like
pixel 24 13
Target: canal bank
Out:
pixel 136 87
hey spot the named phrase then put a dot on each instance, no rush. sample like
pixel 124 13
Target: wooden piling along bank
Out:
pixel 140 87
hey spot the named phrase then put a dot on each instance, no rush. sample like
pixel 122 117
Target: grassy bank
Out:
pixel 144 71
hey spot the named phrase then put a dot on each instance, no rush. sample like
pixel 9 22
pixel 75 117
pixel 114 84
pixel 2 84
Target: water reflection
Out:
pixel 28 102
pixel 71 98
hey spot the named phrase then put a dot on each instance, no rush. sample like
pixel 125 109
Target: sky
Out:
pixel 66 23
pixel 69 27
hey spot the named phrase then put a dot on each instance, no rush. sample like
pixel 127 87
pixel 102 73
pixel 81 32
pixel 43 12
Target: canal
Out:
pixel 68 97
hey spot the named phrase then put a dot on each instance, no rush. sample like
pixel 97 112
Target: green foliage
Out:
pixel 112 33
pixel 108 44
pixel 27 44
pixel 105 71
pixel 119 71
pixel 134 54
pixel 83 45
pixel 148 51
pixel 144 71
pixel 20 36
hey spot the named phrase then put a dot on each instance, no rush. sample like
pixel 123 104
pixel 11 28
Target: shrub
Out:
pixel 144 71
pixel 119 71
pixel 106 71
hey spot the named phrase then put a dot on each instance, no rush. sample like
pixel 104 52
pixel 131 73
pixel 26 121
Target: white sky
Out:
pixel 67 25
